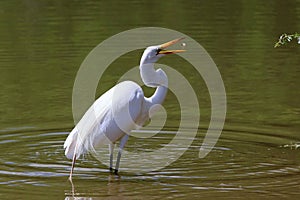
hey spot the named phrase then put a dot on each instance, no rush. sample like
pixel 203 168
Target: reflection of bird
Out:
pixel 120 110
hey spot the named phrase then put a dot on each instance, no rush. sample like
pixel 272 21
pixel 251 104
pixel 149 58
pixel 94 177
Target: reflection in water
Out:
pixel 242 163
pixel 114 189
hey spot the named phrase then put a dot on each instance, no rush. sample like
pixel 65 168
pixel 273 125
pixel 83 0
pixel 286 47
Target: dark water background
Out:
pixel 43 44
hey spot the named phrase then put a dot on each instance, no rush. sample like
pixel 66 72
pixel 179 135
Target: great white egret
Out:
pixel 120 110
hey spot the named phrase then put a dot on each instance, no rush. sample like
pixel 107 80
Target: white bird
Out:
pixel 120 110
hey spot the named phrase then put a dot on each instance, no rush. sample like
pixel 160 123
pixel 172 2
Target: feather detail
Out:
pixel 104 123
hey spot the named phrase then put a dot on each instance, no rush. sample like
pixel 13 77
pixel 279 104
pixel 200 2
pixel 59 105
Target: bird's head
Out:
pixel 153 53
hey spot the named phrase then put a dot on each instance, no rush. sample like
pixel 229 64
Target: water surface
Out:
pixel 43 44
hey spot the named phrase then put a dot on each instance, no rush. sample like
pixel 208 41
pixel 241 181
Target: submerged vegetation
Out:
pixel 287 38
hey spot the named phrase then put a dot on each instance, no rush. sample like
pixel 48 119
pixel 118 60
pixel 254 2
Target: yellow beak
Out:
pixel 167 44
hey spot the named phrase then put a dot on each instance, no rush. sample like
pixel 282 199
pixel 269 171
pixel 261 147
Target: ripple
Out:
pixel 242 162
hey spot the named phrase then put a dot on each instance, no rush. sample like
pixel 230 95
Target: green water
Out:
pixel 43 44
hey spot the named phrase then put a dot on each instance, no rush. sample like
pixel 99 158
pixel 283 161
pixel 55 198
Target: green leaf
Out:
pixel 287 38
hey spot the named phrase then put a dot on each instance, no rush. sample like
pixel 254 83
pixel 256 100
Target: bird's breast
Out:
pixel 127 101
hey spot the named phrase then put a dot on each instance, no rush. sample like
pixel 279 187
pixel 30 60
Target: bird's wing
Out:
pixel 81 137
pixel 107 119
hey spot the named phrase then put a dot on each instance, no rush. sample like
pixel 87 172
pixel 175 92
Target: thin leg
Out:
pixel 73 164
pixel 122 144
pixel 111 156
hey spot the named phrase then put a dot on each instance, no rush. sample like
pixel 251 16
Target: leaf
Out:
pixel 287 38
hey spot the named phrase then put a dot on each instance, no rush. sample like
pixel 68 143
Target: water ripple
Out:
pixel 240 163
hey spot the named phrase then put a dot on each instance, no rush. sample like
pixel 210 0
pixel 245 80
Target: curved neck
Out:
pixel 155 78
pixel 159 95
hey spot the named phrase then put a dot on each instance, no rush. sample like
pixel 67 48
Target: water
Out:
pixel 43 44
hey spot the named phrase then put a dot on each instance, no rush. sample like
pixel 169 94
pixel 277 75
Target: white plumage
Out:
pixel 106 122
pixel 120 110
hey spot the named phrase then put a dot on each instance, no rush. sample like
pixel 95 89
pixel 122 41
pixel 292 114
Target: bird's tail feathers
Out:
pixel 70 144
pixel 82 138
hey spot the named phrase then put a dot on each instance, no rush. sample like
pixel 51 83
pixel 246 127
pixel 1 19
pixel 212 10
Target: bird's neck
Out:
pixel 155 78
pixel 159 95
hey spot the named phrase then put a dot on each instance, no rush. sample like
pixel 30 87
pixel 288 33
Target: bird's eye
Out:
pixel 157 51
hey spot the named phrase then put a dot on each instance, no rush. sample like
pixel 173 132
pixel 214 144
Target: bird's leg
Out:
pixel 73 164
pixel 122 144
pixel 111 155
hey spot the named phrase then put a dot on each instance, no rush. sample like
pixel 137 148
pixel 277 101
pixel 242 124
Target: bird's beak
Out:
pixel 167 44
